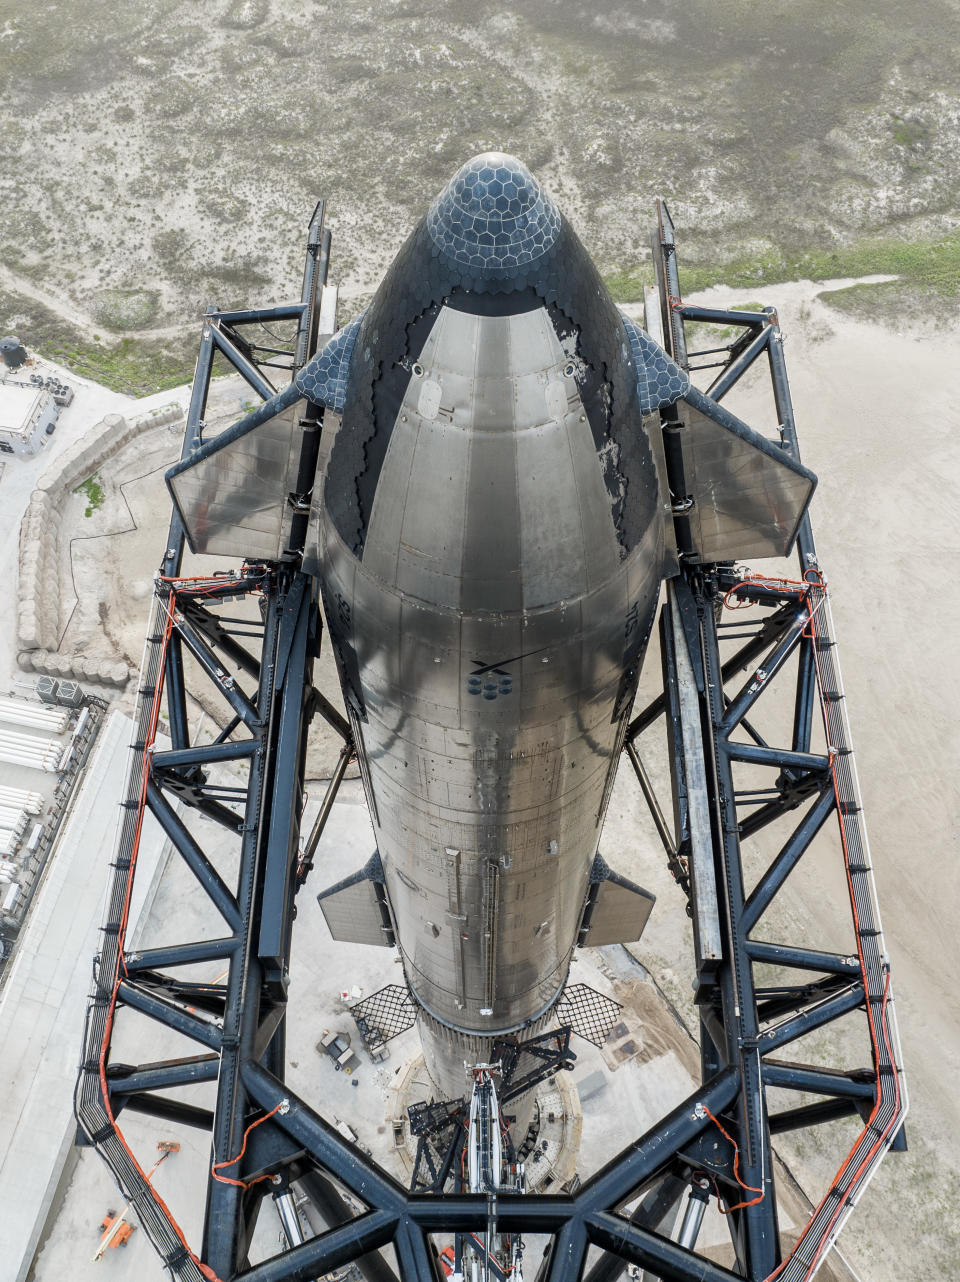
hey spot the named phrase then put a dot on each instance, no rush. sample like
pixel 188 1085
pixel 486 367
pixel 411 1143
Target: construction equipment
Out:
pixel 114 1228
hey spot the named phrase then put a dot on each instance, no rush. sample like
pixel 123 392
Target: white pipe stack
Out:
pixel 31 802
pixel 9 841
pixel 38 716
pixel 14 819
pixel 36 751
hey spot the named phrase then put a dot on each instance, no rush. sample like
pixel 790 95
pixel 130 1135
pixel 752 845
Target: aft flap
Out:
pixel 749 495
pixel 616 911
pixel 659 379
pixel 356 910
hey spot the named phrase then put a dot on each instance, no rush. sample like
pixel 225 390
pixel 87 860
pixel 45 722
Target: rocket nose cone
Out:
pixel 493 216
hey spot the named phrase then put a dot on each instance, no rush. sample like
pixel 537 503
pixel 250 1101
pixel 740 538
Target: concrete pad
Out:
pixel 19 477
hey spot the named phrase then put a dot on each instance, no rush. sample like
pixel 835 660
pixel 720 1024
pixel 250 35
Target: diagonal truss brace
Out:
pixel 260 664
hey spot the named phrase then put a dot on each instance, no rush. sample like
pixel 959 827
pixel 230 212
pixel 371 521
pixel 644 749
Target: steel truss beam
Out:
pixel 441 1127
pixel 717 1143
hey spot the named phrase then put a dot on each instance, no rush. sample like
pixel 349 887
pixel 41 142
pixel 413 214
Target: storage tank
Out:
pixel 31 802
pixel 12 352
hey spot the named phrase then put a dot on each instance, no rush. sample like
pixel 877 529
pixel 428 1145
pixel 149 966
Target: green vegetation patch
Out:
pixel 935 264
pixel 125 308
pixel 929 265
pixel 893 302
pixel 627 284
pixel 134 366
pixel 910 133
pixel 93 488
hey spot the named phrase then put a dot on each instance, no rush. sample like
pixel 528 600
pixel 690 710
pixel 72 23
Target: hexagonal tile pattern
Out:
pixel 660 382
pixel 493 216
pixel 323 379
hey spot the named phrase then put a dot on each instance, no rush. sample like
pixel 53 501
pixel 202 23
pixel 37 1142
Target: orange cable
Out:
pixel 748 1188
pixel 870 1023
pixel 818 582
pixel 244 1184
pixel 760 580
pixel 204 1269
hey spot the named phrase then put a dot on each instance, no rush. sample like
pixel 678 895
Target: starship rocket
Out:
pixel 493 528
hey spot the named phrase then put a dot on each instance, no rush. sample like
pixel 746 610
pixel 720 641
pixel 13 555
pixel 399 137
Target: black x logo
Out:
pixel 480 668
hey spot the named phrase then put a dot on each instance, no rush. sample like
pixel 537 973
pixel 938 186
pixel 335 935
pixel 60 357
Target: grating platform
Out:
pixel 387 1012
pixel 588 1013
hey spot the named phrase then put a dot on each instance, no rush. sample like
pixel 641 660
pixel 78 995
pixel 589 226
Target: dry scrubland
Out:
pixel 157 156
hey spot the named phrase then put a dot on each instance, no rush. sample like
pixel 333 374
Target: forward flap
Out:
pixel 749 495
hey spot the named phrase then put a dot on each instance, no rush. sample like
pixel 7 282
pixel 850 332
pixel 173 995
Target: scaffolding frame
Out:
pixel 263 1137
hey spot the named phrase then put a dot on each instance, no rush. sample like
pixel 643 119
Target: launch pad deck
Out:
pixel 725 792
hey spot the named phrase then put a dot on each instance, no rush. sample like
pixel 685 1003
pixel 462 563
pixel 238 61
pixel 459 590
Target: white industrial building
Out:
pixel 25 415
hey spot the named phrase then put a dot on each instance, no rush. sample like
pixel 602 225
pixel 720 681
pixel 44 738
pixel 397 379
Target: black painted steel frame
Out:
pixel 743 1020
pixel 261 665
pixel 440 1127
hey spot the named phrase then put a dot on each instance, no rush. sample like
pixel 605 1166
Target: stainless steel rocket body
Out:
pixel 493 528
pixel 493 605
pixel 489 633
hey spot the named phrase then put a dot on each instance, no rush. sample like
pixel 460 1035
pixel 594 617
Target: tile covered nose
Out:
pixel 493 216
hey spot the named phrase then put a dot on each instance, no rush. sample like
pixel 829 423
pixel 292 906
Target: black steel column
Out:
pixel 761 1239
pixel 222 1231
